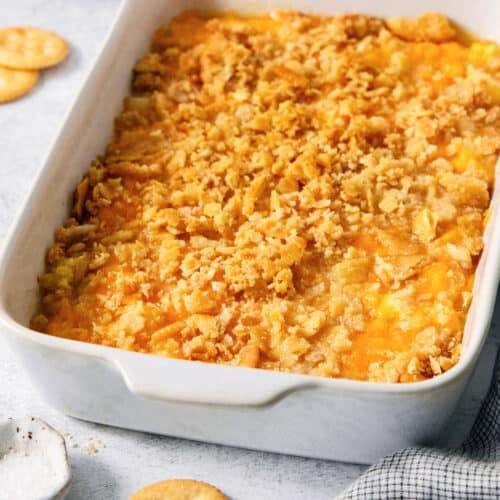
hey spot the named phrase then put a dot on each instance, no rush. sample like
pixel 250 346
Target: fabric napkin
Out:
pixel 471 472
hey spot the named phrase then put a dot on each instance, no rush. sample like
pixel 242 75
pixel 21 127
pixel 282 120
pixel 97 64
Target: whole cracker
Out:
pixel 15 83
pixel 179 489
pixel 31 48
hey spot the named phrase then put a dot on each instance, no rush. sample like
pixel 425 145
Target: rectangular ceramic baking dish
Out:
pixel 296 414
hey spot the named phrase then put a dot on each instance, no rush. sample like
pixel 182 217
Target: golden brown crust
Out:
pixel 290 192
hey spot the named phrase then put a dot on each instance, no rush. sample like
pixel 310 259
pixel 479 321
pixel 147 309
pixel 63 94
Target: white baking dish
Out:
pixel 303 415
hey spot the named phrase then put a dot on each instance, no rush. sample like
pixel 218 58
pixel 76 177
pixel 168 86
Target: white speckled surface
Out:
pixel 125 460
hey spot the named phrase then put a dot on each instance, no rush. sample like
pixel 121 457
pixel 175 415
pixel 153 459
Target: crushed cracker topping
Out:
pixel 290 192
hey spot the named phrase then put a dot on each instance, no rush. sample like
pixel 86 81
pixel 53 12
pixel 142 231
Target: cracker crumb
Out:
pixel 92 446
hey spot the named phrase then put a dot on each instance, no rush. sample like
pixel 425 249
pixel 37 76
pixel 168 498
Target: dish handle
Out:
pixel 203 383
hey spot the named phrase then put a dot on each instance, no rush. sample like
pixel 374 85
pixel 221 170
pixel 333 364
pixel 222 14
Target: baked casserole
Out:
pixel 290 192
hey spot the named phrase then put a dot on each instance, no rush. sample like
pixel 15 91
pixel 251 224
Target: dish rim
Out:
pixel 472 349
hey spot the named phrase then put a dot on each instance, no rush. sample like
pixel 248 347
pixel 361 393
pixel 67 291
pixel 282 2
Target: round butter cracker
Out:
pixel 15 83
pixel 179 489
pixel 31 48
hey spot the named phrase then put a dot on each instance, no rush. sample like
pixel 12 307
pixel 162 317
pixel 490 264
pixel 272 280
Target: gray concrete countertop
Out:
pixel 112 463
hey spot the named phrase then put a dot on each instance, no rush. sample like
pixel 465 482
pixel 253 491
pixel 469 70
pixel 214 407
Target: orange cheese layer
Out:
pixel 290 192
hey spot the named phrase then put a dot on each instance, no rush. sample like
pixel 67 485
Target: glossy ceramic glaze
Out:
pixel 303 415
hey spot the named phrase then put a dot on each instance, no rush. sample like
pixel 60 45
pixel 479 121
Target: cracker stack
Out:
pixel 24 51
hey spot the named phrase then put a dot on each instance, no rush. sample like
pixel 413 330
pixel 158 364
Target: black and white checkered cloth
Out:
pixel 472 472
